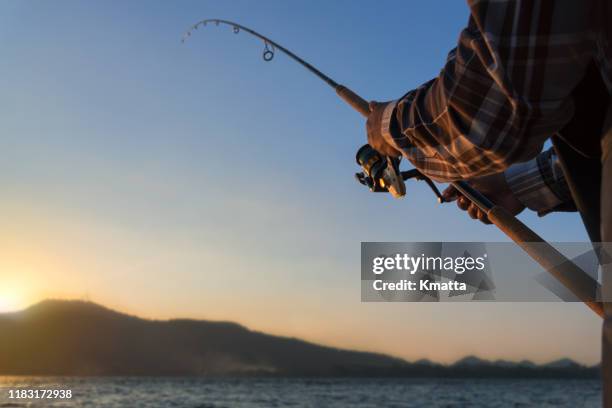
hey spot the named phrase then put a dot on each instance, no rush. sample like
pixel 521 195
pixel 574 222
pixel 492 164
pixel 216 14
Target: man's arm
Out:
pixel 504 89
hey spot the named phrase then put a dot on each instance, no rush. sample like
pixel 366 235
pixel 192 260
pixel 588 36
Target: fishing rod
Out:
pixel 382 174
pixel 350 97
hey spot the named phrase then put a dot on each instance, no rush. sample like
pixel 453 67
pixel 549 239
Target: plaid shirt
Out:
pixel 505 88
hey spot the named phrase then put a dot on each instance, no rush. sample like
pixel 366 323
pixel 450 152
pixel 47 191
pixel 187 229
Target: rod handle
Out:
pixel 564 270
pixel 357 102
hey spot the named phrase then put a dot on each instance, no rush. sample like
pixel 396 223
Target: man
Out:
pixel 522 71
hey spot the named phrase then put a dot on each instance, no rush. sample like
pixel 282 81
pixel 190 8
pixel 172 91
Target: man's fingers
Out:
pixel 473 211
pixel 463 203
pixel 466 205
pixel 483 217
pixel 450 194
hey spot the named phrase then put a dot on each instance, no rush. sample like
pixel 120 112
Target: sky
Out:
pixel 196 180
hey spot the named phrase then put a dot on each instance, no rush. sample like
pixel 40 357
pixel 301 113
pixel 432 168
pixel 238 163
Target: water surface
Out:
pixel 133 392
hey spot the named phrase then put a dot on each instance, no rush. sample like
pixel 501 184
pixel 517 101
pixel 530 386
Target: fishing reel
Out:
pixel 382 174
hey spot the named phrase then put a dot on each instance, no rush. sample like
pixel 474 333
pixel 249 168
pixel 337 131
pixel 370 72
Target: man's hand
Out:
pixel 374 128
pixel 495 188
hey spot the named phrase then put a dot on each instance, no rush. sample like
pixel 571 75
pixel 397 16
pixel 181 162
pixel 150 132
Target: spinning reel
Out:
pixel 382 174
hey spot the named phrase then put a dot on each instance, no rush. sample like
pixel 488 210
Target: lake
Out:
pixel 133 392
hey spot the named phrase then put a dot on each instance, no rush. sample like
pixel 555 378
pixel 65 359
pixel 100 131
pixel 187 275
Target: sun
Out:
pixel 10 302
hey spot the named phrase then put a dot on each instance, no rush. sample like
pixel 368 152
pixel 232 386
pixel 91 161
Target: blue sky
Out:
pixel 198 180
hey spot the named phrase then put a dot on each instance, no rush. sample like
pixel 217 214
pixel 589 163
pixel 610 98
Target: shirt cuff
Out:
pixel 385 123
pixel 530 182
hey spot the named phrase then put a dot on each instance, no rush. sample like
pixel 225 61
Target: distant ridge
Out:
pixel 59 337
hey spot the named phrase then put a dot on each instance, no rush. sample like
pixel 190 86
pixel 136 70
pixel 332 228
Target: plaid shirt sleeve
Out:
pixel 504 90
pixel 540 184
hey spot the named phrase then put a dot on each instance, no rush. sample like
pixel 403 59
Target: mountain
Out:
pixel 472 366
pixel 562 363
pixel 82 338
pixel 473 361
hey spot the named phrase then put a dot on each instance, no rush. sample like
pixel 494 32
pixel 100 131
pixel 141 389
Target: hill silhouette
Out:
pixel 82 338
